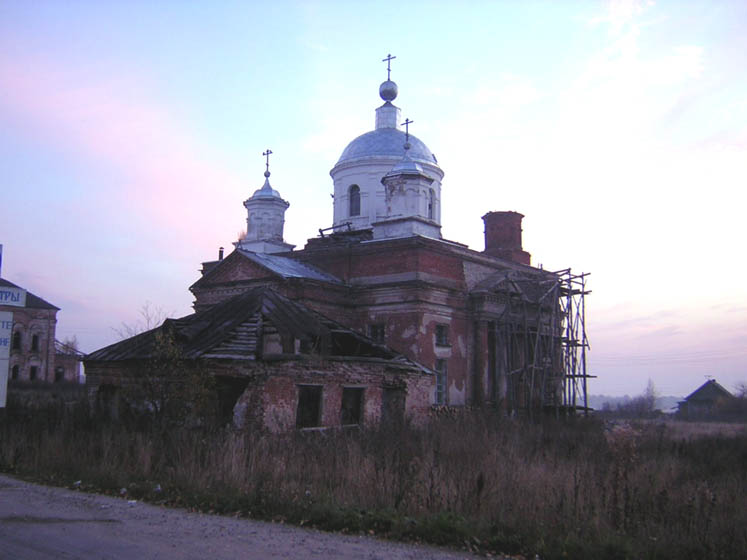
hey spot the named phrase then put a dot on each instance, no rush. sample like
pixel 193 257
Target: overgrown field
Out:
pixel 559 489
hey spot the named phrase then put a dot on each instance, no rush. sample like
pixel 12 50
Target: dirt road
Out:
pixel 39 522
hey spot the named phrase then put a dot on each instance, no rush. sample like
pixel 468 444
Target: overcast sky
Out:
pixel 131 132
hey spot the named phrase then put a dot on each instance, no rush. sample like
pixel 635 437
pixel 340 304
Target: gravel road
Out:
pixel 40 522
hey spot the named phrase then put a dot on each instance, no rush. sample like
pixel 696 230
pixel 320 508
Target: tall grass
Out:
pixel 570 489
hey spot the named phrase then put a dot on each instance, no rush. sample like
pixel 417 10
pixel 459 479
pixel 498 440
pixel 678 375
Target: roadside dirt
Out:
pixel 40 522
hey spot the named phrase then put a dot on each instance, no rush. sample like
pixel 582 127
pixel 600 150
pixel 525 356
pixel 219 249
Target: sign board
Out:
pixel 6 333
pixel 12 296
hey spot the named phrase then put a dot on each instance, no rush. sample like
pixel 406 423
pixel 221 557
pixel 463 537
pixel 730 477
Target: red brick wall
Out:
pixel 271 397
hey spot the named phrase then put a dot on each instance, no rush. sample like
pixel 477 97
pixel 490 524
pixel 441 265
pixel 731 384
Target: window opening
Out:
pixel 17 340
pixel 59 374
pixel 32 373
pixel 308 413
pixel 441 381
pixel 355 200
pixel 377 333
pixel 431 203
pixel 14 372
pixel 352 406
pixel 442 335
pixel 35 343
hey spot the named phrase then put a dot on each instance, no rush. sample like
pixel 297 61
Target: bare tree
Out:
pixel 71 342
pixel 151 316
pixel 642 406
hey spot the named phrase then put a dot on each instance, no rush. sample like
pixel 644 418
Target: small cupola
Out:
pixel 265 218
pixel 411 202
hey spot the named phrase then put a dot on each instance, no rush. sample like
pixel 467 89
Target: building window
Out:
pixel 308 413
pixel 14 373
pixel 35 343
pixel 355 200
pixel 32 373
pixel 441 375
pixel 352 406
pixel 431 203
pixel 17 340
pixel 59 374
pixel 442 335
pixel 377 333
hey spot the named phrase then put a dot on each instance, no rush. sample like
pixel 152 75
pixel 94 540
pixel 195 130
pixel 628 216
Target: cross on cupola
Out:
pixel 388 61
pixel 407 124
pixel 267 161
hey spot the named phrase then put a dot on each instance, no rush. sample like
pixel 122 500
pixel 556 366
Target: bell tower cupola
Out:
pixel 265 218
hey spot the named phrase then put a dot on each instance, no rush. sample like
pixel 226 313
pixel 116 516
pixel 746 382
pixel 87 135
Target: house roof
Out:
pixel 234 328
pixel 708 391
pixel 32 300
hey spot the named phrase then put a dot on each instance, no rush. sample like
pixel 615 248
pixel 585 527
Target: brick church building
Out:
pixel 487 323
pixel 486 327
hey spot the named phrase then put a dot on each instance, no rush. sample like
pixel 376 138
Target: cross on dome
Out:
pixel 388 61
pixel 267 162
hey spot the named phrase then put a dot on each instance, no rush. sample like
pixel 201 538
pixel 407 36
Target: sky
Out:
pixel 131 133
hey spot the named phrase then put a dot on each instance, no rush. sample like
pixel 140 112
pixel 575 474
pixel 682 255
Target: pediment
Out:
pixel 235 268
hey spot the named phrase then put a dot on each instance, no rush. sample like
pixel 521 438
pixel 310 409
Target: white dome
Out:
pixel 386 142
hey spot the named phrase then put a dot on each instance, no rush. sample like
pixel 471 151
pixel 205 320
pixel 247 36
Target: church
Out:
pixel 465 327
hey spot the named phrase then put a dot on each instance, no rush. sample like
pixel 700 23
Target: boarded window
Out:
pixel 377 333
pixel 355 200
pixel 441 375
pixel 32 373
pixel 308 413
pixel 352 406
pixel 35 343
pixel 442 335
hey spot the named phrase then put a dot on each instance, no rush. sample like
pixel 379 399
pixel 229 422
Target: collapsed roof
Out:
pixel 234 329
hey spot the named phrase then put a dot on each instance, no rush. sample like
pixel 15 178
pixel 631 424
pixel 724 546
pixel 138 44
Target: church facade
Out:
pixel 493 329
pixel 379 318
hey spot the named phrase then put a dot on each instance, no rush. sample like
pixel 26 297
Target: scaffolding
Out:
pixel 537 343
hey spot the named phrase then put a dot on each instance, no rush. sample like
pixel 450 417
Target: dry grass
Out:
pixel 558 489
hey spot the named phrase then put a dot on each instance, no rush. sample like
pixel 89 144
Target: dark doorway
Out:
pixel 308 413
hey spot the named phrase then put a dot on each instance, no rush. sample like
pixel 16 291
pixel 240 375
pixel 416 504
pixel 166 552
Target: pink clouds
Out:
pixel 161 176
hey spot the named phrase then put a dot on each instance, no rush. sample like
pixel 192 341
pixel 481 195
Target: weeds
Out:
pixel 557 489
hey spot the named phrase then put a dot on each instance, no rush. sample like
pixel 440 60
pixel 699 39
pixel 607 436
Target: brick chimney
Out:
pixel 503 236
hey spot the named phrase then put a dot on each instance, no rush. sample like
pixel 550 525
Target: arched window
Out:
pixel 17 340
pixel 431 204
pixel 35 343
pixel 355 200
